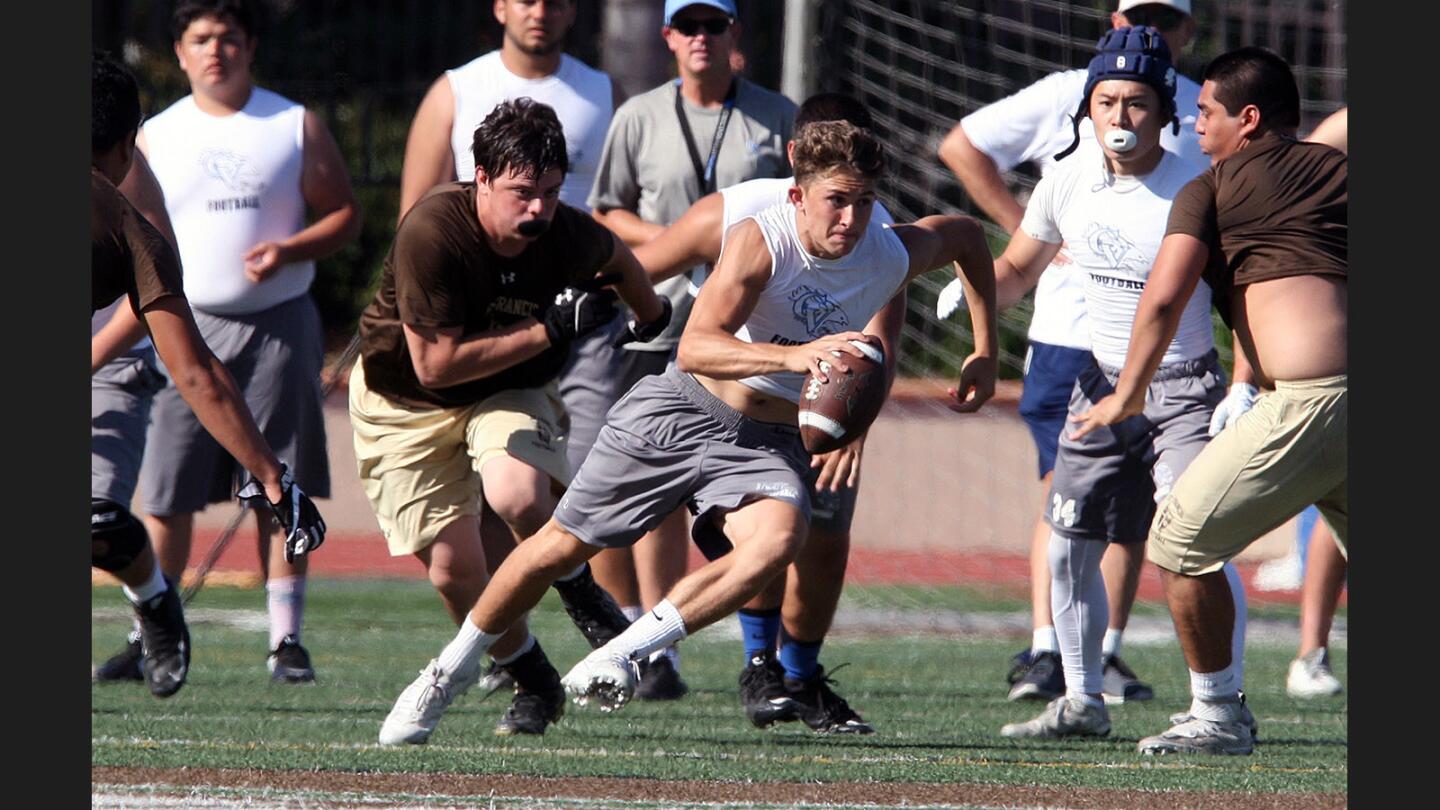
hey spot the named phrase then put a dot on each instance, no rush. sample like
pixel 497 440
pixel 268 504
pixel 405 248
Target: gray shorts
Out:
pixel 275 357
pixel 670 442
pixel 120 396
pixel 589 385
pixel 1106 485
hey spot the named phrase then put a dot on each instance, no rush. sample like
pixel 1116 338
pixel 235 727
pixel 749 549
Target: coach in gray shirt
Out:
pixel 667 148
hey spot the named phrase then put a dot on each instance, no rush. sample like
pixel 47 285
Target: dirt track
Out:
pixel 883 793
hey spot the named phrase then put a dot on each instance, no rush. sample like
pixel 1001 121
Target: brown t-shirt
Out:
pixel 441 272
pixel 128 256
pixel 1276 208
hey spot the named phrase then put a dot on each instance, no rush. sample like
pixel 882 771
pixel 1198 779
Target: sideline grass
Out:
pixel 938 704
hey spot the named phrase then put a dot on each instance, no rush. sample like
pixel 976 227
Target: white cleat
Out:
pixel 417 711
pixel 1231 736
pixel 1310 676
pixel 606 677
pixel 1062 718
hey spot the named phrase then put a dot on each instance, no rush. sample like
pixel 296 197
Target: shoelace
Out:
pixel 832 706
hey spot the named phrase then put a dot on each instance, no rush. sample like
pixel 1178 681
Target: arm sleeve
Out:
pixel 428 288
pixel 1018 128
pixel 157 269
pixel 617 183
pixel 1039 220
pixel 1194 211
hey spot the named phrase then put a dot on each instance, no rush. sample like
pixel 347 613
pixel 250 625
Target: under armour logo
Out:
pixel 507 278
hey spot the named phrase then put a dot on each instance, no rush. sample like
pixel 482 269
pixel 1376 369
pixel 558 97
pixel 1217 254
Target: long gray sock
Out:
pixel 1081 610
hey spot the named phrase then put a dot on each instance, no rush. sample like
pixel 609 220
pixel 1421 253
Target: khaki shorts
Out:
pixel 421 468
pixel 1287 452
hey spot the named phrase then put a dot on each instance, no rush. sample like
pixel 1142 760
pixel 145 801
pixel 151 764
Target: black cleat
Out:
pixel 822 709
pixel 763 694
pixel 124 665
pixel 164 641
pixel 591 608
pixel 290 663
pixel 539 698
pixel 1044 679
pixel 659 680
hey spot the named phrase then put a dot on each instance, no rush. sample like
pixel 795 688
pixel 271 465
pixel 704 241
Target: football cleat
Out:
pixel 605 677
pixel 659 680
pixel 763 693
pixel 1043 679
pixel 164 641
pixel 1310 676
pixel 822 709
pixel 1061 718
pixel 1230 735
pixel 591 608
pixel 290 663
pixel 418 709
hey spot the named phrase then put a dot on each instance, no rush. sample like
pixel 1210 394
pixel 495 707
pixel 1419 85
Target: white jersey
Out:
pixel 1113 226
pixel 580 95
pixel 1034 125
pixel 231 182
pixel 808 298
pixel 753 196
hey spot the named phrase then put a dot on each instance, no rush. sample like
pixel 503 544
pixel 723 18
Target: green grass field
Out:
pixel 938 703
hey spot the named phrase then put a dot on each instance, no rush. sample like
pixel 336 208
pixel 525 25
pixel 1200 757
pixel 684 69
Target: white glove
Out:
pixel 1240 399
pixel 951 298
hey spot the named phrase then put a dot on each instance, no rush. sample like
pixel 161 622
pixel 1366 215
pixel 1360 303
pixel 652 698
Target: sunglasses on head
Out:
pixel 714 26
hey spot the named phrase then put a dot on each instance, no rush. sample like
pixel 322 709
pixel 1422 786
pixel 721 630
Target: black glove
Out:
pixel 648 332
pixel 304 528
pixel 580 309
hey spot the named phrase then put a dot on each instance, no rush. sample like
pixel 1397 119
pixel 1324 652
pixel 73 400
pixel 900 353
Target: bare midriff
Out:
pixel 758 406
pixel 1294 328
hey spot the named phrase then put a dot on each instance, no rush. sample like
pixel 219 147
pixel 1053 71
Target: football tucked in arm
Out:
pixel 835 412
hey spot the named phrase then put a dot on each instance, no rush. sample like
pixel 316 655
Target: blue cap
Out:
pixel 1136 54
pixel 672 7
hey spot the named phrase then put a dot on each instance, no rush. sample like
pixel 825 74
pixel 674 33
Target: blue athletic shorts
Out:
pixel 1050 373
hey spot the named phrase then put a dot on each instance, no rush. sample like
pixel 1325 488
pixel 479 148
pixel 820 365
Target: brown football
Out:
pixel 834 412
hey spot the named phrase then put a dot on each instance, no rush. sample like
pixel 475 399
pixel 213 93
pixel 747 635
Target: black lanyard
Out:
pixel 706 173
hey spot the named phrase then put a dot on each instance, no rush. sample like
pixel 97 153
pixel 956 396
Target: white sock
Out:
pixel 465 649
pixel 152 587
pixel 525 646
pixel 285 599
pixel 1081 610
pixel 632 612
pixel 1237 640
pixel 1042 639
pixel 1111 645
pixel 658 628
pixel 1209 689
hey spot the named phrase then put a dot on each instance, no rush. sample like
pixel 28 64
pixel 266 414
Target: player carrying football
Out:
pixel 717 432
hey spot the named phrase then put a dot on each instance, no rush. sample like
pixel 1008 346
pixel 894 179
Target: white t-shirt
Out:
pixel 807 297
pixel 1113 226
pixel 1034 125
pixel 580 95
pixel 231 182
pixel 753 196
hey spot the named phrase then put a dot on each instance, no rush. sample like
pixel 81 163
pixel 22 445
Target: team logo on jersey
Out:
pixel 507 278
pixel 1111 247
pixel 233 170
pixel 817 312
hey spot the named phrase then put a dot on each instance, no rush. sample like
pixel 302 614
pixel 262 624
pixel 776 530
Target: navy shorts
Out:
pixel 1050 374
